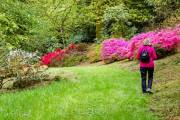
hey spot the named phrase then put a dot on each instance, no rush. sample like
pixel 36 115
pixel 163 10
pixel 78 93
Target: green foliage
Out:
pixel 124 18
pixel 172 20
pixel 94 53
pixel 4 51
pixel 118 17
pixel 74 59
pixel 22 25
pixel 18 69
pixel 163 8
pixel 41 25
pixel 163 53
pixel 71 57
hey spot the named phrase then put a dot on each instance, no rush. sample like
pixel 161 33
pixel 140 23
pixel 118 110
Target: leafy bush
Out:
pixel 94 53
pixel 54 58
pixel 173 19
pixel 4 51
pixel 23 25
pixel 72 55
pixel 23 57
pixel 165 40
pixel 114 49
pixel 74 58
pixel 82 47
pixel 163 8
pixel 39 25
pixel 20 71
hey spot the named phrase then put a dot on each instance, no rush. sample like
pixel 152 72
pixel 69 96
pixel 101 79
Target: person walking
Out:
pixel 146 55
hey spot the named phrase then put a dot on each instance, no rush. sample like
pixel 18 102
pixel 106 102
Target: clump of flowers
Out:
pixel 114 49
pixel 137 41
pixel 57 56
pixel 20 70
pixel 23 56
pixel 166 40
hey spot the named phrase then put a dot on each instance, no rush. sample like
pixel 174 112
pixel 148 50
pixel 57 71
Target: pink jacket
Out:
pixel 152 54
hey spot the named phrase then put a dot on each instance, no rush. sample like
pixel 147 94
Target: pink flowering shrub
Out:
pixel 114 49
pixel 137 41
pixel 164 40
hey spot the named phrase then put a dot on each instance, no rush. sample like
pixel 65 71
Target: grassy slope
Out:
pixel 102 93
pixel 166 86
pixel 166 102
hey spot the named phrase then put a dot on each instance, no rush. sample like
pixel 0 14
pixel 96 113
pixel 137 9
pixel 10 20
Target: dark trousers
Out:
pixel 144 72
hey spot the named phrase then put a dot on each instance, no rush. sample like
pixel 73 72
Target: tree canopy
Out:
pixel 44 24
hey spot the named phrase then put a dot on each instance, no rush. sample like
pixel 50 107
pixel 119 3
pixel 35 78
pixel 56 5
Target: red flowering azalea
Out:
pixel 58 50
pixel 47 58
pixel 56 56
pixel 71 46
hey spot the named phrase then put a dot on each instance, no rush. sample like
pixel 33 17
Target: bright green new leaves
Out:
pixel 44 24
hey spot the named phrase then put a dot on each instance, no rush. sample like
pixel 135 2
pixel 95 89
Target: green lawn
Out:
pixel 102 93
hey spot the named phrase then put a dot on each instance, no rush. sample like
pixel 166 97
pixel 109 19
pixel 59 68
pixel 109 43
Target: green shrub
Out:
pixel 78 56
pixel 161 53
pixel 82 47
pixel 23 25
pixel 172 20
pixel 19 74
pixel 70 56
pixel 94 53
pixel 70 59
pixel 73 59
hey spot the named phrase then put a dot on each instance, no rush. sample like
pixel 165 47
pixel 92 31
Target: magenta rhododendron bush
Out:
pixel 136 41
pixel 114 48
pixel 166 39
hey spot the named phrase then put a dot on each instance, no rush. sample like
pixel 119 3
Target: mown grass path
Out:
pixel 102 93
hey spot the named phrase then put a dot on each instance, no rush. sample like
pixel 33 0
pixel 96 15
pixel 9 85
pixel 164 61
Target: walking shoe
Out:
pixel 149 91
pixel 144 92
